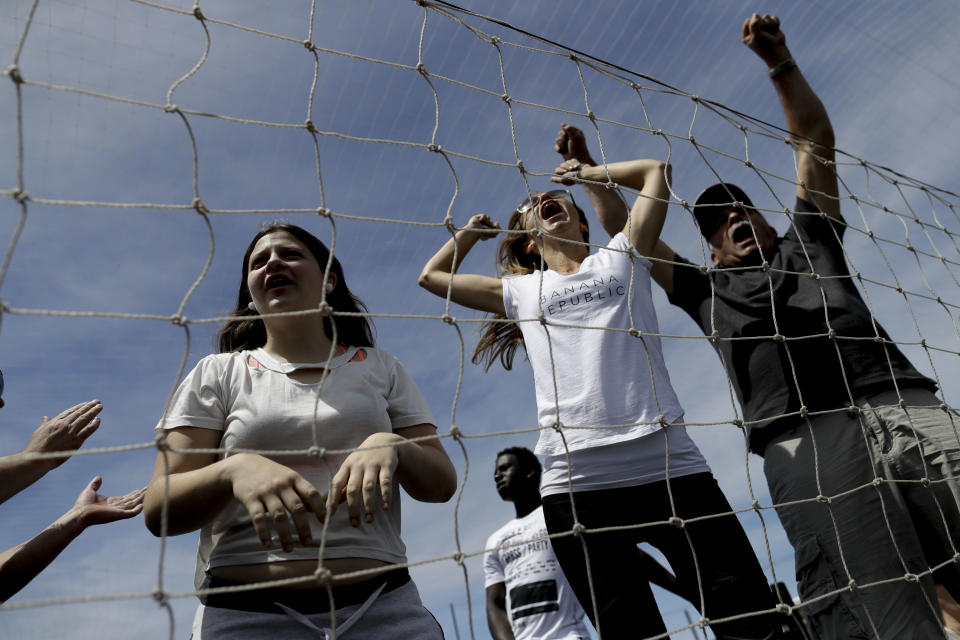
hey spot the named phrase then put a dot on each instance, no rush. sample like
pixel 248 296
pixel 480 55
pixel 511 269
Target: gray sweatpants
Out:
pixel 396 614
pixel 894 528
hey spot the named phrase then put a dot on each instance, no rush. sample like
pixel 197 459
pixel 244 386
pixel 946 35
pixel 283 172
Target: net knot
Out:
pixel 323 576
pixel 448 223
pixel 737 422
pixel 748 164
pixel 635 86
pixel 911 577
pixel 455 432
pixel 312 128
pixel 160 440
pixel 675 521
pixel 715 336
pixel 703 623
pixel 171 108
pixel 852 585
pixel 495 40
pixel 506 98
pixel 179 320
pixel 591 116
pixel 877 481
pixel 573 57
pixel 520 166
pixel 755 505
pixel 925 482
pixel 557 426
pixel 447 318
pixel 20 195
pixel 634 333
pixel 703 268
pixel 197 13
pixel 578 529
pixel 784 609
pixel 542 319
pixel 308 45
pixel 823 499
pixel 434 147
pixel 944 407
pixel 458 557
pixel 199 207
pixel 803 411
pixel 323 211
pixel 160 596
pixel 853 410
pixel 899 289
pixel 693 140
pixel 662 420
pixel 657 132
pixel 422 70
pixel 765 266
pixel 956 558
pixel 316 452
pixel 325 309
pixel 832 333
pixel 814 275
pixel 14 72
pixel 778 337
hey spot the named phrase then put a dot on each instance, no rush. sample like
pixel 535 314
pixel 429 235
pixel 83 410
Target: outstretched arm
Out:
pixel 649 177
pixel 471 290
pixel 608 203
pixel 66 432
pixel 22 563
pixel 497 619
pixel 807 120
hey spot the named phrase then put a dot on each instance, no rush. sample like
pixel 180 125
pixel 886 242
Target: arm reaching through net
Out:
pixel 20 564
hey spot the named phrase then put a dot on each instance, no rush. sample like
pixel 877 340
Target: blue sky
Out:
pixel 883 70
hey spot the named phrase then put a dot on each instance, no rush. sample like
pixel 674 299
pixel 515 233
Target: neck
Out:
pixel 525 504
pixel 297 339
pixel 565 257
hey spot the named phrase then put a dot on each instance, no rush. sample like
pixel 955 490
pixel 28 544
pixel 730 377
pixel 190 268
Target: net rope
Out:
pixel 941 222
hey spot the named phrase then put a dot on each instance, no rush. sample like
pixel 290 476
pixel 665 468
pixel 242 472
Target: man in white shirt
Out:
pixel 527 595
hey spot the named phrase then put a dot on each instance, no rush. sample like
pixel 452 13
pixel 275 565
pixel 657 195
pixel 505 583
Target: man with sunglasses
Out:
pixel 64 433
pixel 859 455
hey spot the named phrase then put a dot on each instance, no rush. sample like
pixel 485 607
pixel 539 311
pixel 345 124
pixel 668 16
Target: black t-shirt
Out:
pixel 806 308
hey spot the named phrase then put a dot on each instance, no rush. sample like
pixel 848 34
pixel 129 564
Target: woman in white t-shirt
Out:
pixel 313 386
pixel 607 412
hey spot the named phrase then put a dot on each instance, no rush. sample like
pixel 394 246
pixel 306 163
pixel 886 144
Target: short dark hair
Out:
pixel 525 459
pixel 242 333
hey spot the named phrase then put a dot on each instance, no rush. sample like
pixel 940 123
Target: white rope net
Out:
pixel 136 172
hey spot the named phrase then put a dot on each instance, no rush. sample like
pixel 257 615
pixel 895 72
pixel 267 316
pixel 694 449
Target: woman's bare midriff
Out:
pixel 298 569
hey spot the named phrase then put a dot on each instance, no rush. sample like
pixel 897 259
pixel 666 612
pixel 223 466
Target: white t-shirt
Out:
pixel 603 377
pixel 366 391
pixel 540 603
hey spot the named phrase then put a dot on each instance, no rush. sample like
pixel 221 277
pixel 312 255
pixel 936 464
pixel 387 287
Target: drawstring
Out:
pixel 325 632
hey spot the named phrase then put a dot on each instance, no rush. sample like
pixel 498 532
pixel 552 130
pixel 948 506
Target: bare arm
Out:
pixel 650 178
pixel 470 290
pixel 662 272
pixel 22 563
pixel 807 119
pixel 497 619
pixel 422 468
pixel 66 432
pixel 608 203
pixel 199 486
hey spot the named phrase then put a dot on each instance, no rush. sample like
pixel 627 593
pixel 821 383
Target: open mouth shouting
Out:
pixel 741 232
pixel 551 211
pixel 277 281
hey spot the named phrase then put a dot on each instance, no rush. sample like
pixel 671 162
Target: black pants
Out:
pixel 731 578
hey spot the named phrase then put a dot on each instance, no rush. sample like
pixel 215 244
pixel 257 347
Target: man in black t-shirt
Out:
pixel 859 454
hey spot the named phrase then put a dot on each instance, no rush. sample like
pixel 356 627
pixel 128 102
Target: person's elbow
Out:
pixel 433 281
pixel 153 510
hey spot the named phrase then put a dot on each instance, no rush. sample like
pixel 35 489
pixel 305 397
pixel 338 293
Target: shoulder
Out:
pixel 810 224
pixel 218 364
pixel 493 540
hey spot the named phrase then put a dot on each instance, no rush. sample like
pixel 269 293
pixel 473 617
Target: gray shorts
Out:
pixel 870 531
pixel 392 614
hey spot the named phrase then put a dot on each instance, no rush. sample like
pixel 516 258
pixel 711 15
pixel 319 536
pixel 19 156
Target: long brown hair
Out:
pixel 499 340
pixel 243 332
